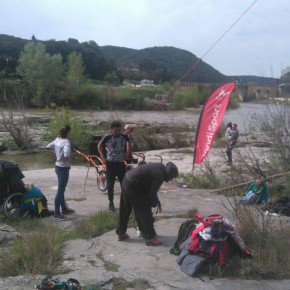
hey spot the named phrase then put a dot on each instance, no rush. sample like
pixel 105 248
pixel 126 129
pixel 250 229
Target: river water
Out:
pixel 242 116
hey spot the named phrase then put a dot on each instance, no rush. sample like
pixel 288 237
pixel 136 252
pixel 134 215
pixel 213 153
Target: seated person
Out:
pixel 34 201
pixel 257 192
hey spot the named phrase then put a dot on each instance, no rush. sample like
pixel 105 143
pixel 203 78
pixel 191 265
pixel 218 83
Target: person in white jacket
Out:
pixel 62 149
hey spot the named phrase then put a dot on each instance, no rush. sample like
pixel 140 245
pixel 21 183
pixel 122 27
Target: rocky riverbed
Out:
pixel 132 260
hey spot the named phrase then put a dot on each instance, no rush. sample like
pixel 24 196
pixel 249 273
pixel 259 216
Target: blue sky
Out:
pixel 257 44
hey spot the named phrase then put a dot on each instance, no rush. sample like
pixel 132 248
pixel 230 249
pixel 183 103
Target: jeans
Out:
pixel 62 176
pixel 250 197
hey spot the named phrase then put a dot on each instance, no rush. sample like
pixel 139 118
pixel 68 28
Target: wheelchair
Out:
pixel 11 190
pixel 10 204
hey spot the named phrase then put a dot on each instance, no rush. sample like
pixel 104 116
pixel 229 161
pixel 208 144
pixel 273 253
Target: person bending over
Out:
pixel 139 192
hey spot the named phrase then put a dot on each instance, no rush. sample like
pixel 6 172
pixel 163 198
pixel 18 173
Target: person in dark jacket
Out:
pixel 139 192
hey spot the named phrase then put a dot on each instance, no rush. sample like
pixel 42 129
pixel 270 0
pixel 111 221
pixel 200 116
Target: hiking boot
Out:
pixel 153 242
pixel 68 211
pixel 123 237
pixel 111 206
pixel 59 217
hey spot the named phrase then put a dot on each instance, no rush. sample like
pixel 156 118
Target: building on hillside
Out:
pixel 147 83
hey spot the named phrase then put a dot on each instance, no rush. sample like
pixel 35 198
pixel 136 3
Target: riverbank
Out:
pixel 104 259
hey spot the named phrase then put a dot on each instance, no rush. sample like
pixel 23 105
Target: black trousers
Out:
pixel 133 198
pixel 113 170
pixel 229 155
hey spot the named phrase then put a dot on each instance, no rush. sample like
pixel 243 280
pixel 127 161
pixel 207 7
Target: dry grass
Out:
pixel 268 236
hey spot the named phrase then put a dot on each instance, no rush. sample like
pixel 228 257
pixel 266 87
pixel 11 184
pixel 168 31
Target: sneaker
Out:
pixel 68 211
pixel 138 233
pixel 111 206
pixel 59 217
pixel 153 242
pixel 123 237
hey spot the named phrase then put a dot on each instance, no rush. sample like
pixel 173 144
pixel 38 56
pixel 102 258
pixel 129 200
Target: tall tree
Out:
pixel 75 69
pixel 41 71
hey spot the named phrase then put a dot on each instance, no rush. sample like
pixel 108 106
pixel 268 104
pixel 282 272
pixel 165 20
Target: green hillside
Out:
pixel 174 61
pixel 161 64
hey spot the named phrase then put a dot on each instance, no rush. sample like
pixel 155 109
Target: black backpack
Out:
pixel 184 231
pixel 282 205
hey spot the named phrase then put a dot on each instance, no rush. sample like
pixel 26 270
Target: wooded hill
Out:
pixel 164 63
pixel 157 63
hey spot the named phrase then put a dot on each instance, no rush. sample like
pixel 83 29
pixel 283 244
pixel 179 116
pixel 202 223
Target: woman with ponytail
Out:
pixel 62 149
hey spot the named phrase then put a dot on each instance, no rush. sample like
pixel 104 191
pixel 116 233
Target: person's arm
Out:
pixel 128 149
pixel 101 151
pixel 155 185
pixel 264 195
pixel 159 207
pixel 66 151
pixel 50 145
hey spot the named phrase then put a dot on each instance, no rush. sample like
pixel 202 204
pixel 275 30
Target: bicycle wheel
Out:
pixel 102 180
pixel 11 207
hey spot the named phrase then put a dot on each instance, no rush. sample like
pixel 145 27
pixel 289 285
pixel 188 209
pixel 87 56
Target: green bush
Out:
pixel 80 132
pixel 85 96
pixel 185 97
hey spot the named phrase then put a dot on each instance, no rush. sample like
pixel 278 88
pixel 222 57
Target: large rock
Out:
pixel 7 234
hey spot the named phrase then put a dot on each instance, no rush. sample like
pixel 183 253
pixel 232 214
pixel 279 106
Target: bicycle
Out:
pixel 100 166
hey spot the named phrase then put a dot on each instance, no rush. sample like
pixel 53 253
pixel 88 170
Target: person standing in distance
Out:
pixel 228 137
pixel 232 142
pixel 62 149
pixel 117 149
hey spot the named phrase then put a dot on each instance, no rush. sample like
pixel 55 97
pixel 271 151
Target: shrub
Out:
pixel 269 239
pixel 80 132
pixel 85 96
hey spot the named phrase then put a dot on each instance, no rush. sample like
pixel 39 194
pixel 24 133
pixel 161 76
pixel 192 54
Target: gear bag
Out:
pixel 49 283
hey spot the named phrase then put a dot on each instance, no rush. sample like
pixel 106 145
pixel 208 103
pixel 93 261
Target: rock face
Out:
pixel 7 235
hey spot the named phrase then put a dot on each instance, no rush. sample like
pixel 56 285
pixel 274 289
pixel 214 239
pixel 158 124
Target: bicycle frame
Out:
pixel 100 167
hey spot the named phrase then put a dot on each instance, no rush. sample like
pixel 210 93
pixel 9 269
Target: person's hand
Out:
pixel 159 210
pixel 249 252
